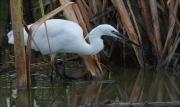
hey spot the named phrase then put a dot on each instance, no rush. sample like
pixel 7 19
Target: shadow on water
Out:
pixel 130 85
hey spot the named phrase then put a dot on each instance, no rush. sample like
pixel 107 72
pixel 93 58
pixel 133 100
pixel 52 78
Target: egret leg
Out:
pixel 62 66
pixel 50 74
pixel 52 70
pixel 53 67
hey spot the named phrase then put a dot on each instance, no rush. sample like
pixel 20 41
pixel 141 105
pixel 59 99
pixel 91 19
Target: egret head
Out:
pixel 111 31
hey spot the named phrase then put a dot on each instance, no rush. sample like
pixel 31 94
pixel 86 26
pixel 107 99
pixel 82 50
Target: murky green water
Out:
pixel 128 85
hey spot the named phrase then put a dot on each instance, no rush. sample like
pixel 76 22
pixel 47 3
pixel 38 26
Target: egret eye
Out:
pixel 116 33
pixel 113 31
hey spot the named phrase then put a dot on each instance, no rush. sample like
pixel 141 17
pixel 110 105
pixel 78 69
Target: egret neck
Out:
pixel 95 44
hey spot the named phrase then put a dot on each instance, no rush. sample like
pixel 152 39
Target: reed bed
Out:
pixel 152 24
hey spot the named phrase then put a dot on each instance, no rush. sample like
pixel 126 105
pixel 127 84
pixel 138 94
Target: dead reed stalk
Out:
pixel 128 26
pixel 19 48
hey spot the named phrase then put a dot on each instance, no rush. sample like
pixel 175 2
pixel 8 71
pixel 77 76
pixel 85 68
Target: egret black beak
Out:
pixel 124 39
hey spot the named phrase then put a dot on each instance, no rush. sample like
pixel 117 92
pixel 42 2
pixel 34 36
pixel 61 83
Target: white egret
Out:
pixel 67 37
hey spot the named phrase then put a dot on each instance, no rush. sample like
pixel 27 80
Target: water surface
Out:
pixel 126 85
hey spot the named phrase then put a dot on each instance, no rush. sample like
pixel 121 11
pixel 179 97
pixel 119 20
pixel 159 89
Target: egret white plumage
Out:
pixel 67 37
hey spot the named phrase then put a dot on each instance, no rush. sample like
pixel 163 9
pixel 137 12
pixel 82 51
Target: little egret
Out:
pixel 67 37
